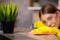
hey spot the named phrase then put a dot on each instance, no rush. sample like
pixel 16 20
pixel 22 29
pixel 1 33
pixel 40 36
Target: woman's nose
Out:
pixel 49 24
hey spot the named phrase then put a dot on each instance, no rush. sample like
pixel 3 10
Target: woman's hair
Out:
pixel 48 8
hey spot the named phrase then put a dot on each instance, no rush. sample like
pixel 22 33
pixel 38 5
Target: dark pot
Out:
pixel 1 28
pixel 8 27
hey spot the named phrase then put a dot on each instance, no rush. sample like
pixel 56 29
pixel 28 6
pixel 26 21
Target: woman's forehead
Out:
pixel 47 15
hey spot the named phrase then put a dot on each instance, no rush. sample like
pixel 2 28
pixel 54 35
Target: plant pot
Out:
pixel 8 27
pixel 1 28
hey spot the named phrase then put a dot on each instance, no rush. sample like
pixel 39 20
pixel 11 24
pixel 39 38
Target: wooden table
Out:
pixel 38 37
pixel 27 36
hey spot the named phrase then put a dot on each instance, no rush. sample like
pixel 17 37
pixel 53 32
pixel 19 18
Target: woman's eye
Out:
pixel 49 18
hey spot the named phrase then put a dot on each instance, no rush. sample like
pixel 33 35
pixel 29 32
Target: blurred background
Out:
pixel 26 14
pixel 28 11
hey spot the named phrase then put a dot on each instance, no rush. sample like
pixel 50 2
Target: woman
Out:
pixel 49 14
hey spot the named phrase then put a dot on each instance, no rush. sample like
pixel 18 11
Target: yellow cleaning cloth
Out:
pixel 41 28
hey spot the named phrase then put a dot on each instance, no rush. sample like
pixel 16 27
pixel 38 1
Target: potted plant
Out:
pixel 8 15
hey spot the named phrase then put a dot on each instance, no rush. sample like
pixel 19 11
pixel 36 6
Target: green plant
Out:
pixel 8 12
pixel 36 1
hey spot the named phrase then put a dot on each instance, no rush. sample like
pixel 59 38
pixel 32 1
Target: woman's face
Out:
pixel 49 19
